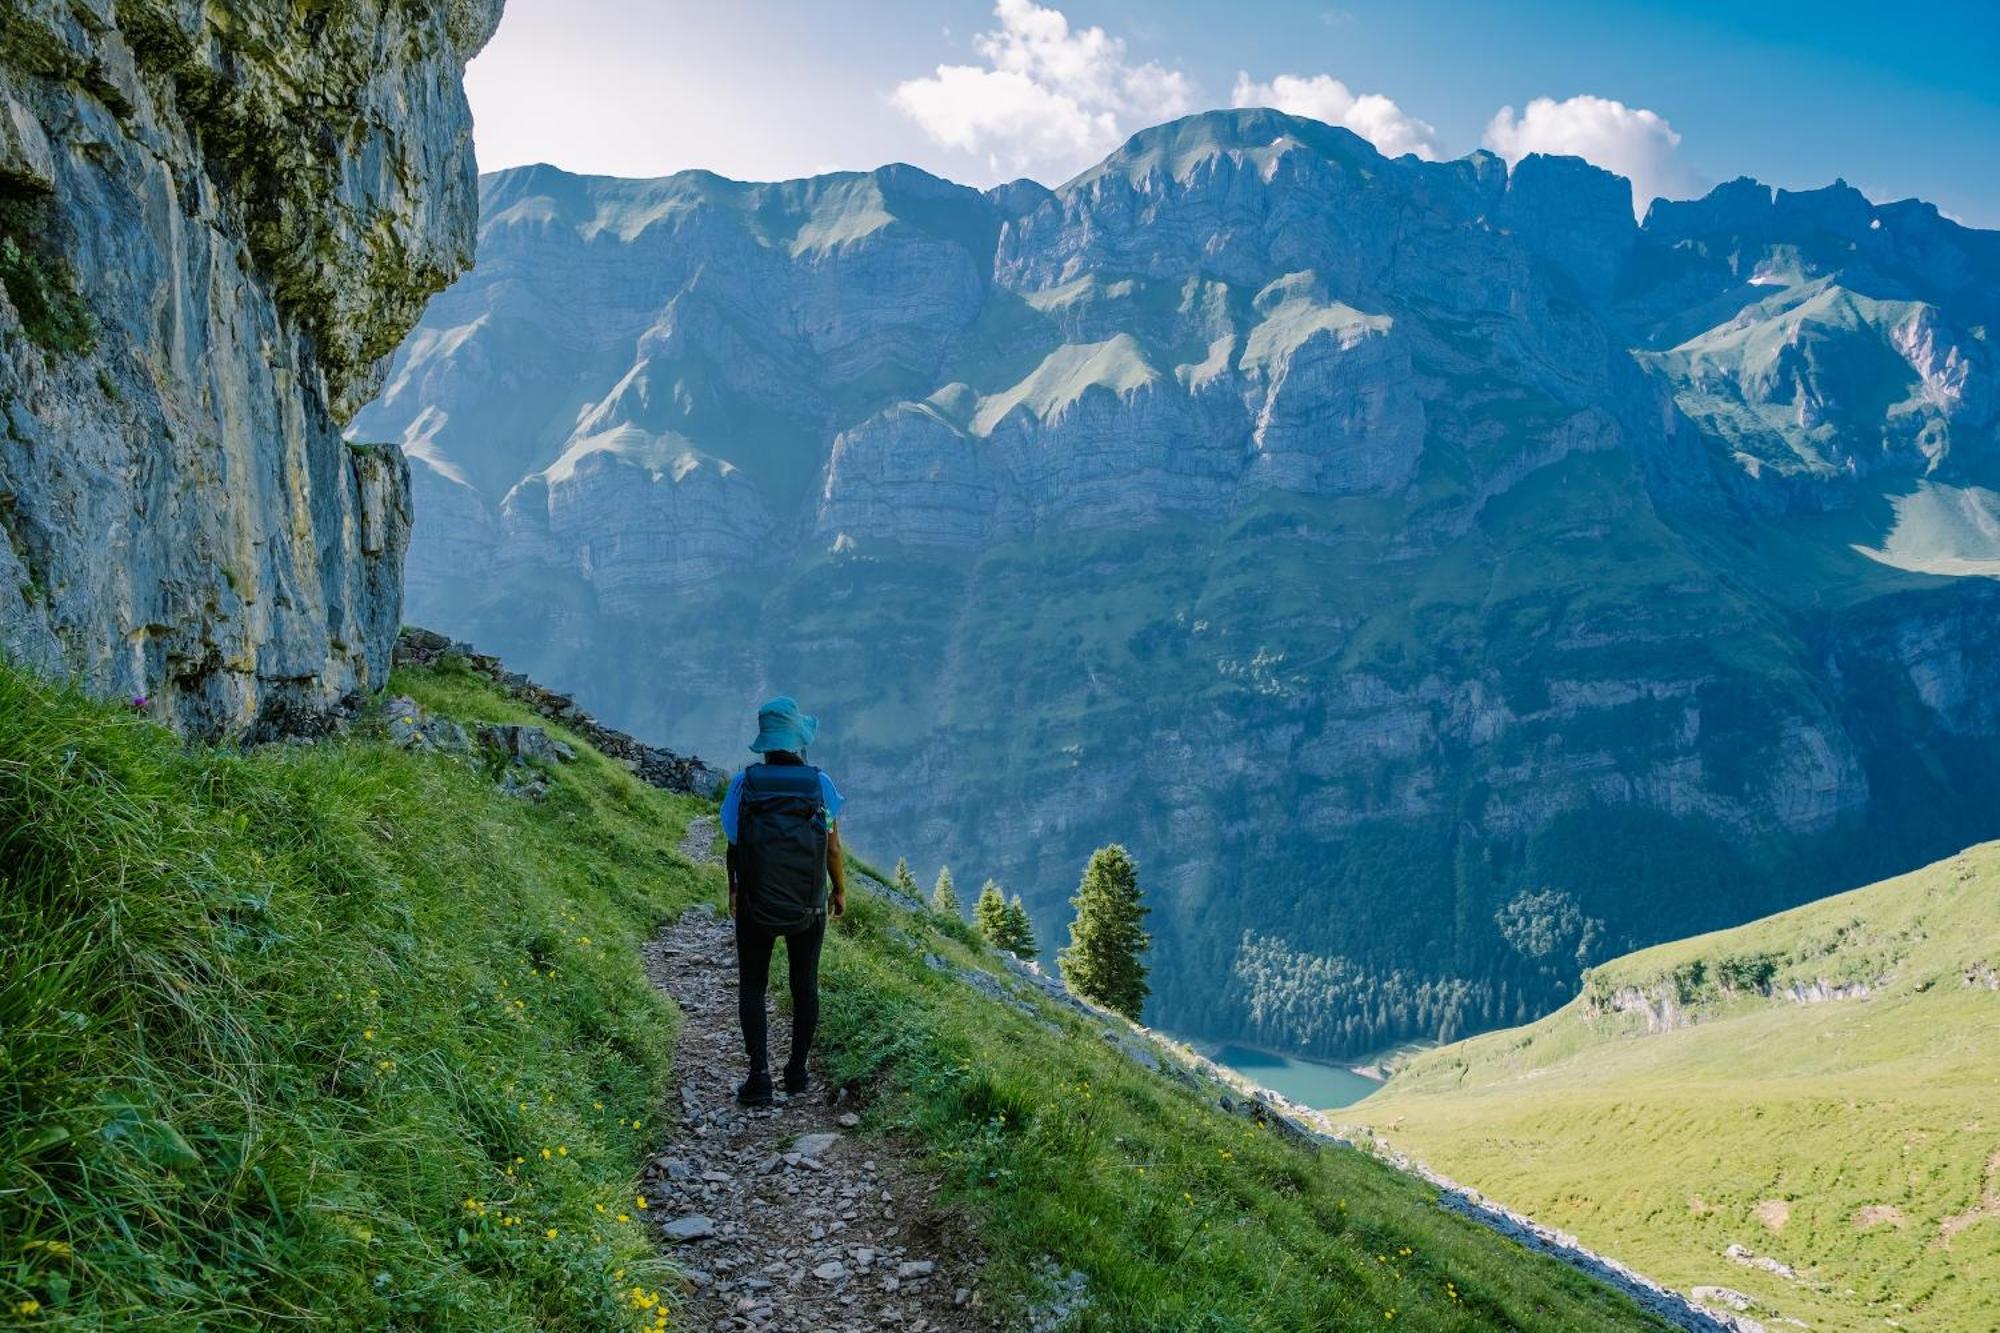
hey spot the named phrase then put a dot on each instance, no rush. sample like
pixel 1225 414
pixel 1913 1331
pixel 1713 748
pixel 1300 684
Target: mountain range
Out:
pixel 1439 580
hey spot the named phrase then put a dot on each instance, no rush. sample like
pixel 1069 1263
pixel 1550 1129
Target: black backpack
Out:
pixel 781 847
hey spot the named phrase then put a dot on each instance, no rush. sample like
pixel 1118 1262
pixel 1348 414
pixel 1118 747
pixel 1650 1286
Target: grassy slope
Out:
pixel 1180 1216
pixel 283 1038
pixel 1662 1148
pixel 270 1023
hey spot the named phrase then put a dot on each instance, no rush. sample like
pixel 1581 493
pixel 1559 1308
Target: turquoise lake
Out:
pixel 1308 1082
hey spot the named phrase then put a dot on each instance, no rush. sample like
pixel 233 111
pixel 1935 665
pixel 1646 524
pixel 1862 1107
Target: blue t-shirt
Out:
pixel 734 799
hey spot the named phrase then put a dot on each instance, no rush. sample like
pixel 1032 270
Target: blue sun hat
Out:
pixel 781 726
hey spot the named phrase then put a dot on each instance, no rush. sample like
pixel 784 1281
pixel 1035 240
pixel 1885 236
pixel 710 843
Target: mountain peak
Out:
pixel 1177 145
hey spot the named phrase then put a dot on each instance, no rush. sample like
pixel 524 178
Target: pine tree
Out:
pixel 905 881
pixel 944 898
pixel 1105 940
pixel 1020 931
pixel 989 914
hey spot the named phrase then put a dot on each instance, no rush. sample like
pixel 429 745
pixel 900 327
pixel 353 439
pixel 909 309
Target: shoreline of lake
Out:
pixel 1324 1085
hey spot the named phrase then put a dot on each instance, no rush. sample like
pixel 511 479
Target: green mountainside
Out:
pixel 1377 545
pixel 1816 1094
pixel 290 1035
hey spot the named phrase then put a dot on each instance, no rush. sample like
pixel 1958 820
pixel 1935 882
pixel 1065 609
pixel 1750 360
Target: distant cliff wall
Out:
pixel 215 223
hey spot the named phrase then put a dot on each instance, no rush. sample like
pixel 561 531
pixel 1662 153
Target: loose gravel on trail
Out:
pixel 786 1217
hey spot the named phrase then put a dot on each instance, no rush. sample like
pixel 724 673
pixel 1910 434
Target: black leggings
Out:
pixel 753 975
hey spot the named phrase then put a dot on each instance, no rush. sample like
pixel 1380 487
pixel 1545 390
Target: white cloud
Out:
pixel 1632 141
pixel 1323 97
pixel 1049 101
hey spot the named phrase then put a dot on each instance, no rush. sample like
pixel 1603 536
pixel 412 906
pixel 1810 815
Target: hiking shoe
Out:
pixel 796 1081
pixel 755 1091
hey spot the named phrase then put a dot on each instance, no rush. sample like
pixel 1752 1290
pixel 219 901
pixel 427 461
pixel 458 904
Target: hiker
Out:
pixel 783 848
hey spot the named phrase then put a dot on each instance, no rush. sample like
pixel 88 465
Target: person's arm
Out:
pixel 836 869
pixel 732 810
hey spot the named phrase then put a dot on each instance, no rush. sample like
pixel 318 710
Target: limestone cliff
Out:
pixel 215 224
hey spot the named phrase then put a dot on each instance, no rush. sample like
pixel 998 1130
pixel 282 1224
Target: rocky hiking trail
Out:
pixel 782 1216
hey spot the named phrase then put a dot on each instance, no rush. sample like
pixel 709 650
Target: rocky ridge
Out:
pixel 214 225
pixel 650 763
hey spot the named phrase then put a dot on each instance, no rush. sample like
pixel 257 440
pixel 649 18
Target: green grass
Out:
pixel 1179 1215
pixel 1838 1137
pixel 283 1036
pixel 276 1026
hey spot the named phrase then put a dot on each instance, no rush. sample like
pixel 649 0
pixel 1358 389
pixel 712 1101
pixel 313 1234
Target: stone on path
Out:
pixel 815 1145
pixel 692 1227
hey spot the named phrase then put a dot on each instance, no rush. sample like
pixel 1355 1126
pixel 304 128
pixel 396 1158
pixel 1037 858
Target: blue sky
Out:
pixel 1899 100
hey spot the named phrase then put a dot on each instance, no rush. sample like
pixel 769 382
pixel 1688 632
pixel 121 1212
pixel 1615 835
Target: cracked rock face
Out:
pixel 224 227
pixel 1363 542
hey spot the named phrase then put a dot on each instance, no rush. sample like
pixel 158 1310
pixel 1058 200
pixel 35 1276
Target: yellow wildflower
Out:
pixel 28 1307
pixel 553 1233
